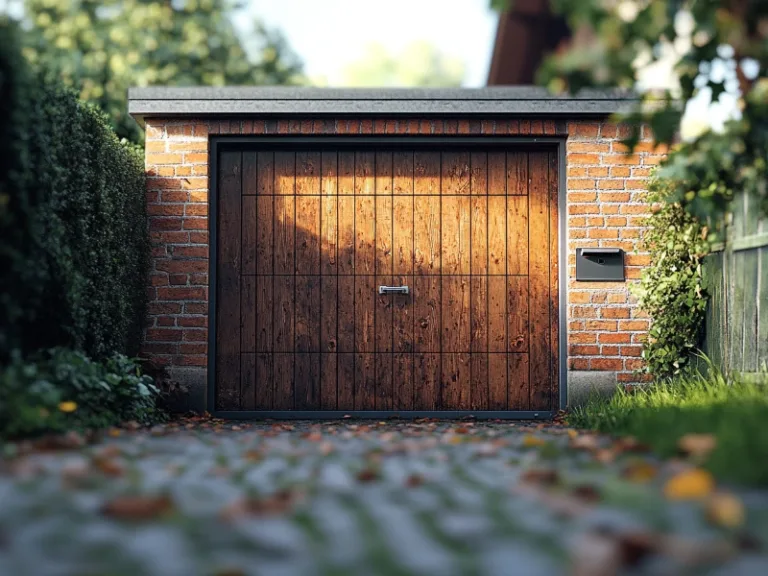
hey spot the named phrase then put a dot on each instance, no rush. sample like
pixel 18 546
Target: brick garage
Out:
pixel 603 203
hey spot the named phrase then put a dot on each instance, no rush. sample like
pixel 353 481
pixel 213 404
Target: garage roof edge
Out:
pixel 287 100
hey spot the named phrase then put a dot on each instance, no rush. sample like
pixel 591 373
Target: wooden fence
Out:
pixel 736 277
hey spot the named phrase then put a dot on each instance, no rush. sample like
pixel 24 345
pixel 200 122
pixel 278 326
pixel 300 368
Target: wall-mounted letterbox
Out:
pixel 600 264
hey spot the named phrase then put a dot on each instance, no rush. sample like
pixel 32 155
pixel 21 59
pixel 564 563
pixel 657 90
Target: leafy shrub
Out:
pixel 60 389
pixel 671 289
pixel 74 247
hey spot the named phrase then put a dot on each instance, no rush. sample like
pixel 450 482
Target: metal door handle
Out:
pixel 393 290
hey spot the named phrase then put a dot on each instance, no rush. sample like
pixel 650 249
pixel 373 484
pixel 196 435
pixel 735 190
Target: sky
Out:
pixel 330 34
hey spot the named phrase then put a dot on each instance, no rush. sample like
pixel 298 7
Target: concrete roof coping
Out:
pixel 299 100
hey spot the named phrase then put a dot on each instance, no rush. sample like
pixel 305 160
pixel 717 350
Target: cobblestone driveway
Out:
pixel 359 498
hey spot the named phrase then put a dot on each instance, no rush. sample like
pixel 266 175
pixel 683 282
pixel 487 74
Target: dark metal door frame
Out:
pixel 216 143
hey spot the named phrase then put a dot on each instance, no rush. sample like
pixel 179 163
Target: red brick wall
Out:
pixel 604 208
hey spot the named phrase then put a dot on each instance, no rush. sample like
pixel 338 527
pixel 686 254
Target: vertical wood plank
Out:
pixel 497 314
pixel 284 314
pixel 455 304
pixel 402 381
pixel 265 308
pixel 328 313
pixel 265 381
pixel 518 385
pixel 427 232
pixel 384 383
pixel 307 381
pixel 426 379
pixel 479 217
pixel 346 314
pixel 308 173
pixel 554 282
pixel 248 381
pixel 497 173
pixel 497 381
pixel 329 223
pixel 455 234
pixel 455 381
pixel 285 213
pixel 365 234
pixel 384 253
pixel 402 167
pixel 365 294
pixel 346 381
pixel 307 234
pixel 346 212
pixel 228 283
pixel 517 314
pixel 517 173
pixel 455 173
pixel 328 379
pixel 517 235
pixel 402 241
pixel 479 314
pixel 249 234
pixel 426 311
pixel 479 381
pixel 250 173
pixel 539 286
pixel 365 381
pixel 248 314
pixel 497 235
pixel 265 213
pixel 283 374
pixel 307 314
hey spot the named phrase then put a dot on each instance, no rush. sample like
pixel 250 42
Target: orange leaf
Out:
pixel 640 472
pixel 725 510
pixel 137 507
pixel 689 485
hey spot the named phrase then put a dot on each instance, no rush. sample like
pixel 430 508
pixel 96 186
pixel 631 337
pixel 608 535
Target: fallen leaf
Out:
pixel 572 433
pixel 367 475
pixel 461 430
pixel 542 476
pixel 640 471
pixel 137 507
pixel 605 455
pixel 109 467
pixel 131 425
pixel 689 485
pixel 531 441
pixel 585 442
pixel 326 448
pixel 414 480
pixel 630 444
pixel 587 493
pixel 276 503
pixel 725 510
pixel 697 445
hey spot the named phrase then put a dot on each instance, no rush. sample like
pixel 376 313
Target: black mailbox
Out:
pixel 600 264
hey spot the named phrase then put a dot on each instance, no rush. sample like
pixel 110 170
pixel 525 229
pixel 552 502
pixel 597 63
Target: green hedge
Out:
pixel 74 247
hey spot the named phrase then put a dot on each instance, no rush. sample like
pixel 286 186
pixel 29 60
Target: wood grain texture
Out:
pixel 247 381
pixel 539 286
pixel 265 218
pixel 497 235
pixel 328 380
pixel 365 381
pixel 329 292
pixel 284 313
pixel 307 314
pixel 364 313
pixel 497 314
pixel 455 383
pixel 426 234
pixel 478 381
pixel 307 234
pixel 517 235
pixel 426 311
pixel 402 381
pixel 497 381
pixel 329 222
pixel 228 283
pixel 250 173
pixel 249 233
pixel 248 314
pixel 402 235
pixel 517 173
pixel 265 381
pixel 346 314
pixel 517 314
pixel 455 314
pixel 307 381
pixel 517 382
pixel 283 378
pixel 455 241
pixel 346 381
pixel 426 378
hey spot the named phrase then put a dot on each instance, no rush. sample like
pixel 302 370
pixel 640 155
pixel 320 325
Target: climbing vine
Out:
pixel 671 289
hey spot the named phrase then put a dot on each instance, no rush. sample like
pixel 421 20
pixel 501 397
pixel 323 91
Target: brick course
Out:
pixel 605 208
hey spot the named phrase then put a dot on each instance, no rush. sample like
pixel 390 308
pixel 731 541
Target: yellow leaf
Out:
pixel 725 510
pixel 572 433
pixel 640 472
pixel 68 406
pixel 530 441
pixel 689 485
pixel 114 432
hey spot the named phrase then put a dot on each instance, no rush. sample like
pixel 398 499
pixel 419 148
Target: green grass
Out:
pixel 736 413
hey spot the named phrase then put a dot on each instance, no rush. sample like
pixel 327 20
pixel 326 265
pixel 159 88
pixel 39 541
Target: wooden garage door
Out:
pixel 306 237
